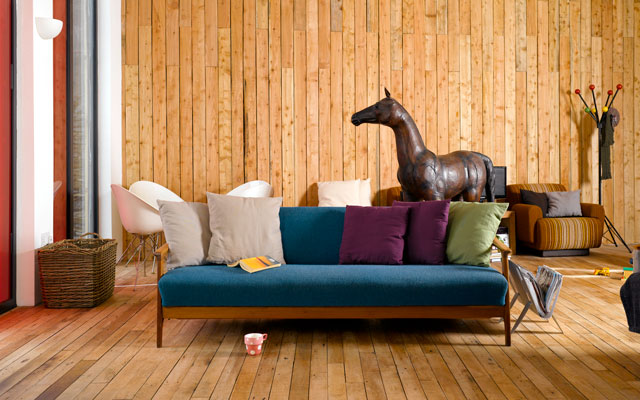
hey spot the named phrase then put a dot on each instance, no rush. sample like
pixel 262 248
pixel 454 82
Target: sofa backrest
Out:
pixel 312 235
pixel 513 191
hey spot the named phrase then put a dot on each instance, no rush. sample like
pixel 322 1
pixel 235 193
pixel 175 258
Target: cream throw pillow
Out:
pixel 365 192
pixel 243 227
pixel 186 228
pixel 344 193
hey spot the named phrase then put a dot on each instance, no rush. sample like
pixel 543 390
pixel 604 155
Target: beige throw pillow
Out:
pixel 186 228
pixel 243 227
pixel 344 193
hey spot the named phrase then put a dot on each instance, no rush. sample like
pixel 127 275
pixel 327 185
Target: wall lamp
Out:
pixel 48 28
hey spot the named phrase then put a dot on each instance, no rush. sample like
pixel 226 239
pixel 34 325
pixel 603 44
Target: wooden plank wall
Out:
pixel 219 92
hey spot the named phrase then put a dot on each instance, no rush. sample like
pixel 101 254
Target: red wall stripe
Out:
pixel 5 150
pixel 60 122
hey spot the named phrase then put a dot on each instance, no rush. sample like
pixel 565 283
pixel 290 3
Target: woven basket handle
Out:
pixel 90 233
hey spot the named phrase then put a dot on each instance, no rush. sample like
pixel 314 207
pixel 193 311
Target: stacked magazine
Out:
pixel 541 290
pixel 502 234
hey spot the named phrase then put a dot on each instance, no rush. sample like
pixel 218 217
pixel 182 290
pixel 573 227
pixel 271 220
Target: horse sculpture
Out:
pixel 460 175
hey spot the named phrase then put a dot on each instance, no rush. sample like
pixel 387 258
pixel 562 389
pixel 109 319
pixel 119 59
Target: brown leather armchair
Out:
pixel 555 236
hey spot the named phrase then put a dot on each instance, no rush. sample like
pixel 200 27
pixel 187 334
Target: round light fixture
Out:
pixel 48 28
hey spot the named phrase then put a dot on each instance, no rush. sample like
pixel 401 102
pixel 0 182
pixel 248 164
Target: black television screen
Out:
pixel 501 182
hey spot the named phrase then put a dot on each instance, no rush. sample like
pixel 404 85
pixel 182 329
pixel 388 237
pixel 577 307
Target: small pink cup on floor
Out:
pixel 253 342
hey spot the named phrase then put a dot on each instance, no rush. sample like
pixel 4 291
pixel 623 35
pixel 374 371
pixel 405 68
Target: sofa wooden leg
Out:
pixel 159 333
pixel 159 322
pixel 507 325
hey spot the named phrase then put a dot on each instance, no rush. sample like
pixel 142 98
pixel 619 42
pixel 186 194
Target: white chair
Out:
pixel 253 189
pixel 141 220
pixel 151 192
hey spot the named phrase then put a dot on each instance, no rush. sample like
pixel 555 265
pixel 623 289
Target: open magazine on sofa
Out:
pixel 541 291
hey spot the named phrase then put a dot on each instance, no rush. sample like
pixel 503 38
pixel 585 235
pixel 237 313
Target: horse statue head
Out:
pixel 386 112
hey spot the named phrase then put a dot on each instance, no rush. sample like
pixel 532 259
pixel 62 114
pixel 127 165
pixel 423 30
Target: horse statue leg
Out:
pixel 406 196
pixel 472 195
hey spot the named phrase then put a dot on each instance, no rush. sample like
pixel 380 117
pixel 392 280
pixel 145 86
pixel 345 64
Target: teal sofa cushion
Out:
pixel 296 285
pixel 311 235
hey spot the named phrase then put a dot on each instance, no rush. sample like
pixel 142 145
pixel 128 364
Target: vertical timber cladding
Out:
pixel 219 92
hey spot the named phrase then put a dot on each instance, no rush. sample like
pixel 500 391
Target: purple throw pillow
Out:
pixel 373 235
pixel 426 240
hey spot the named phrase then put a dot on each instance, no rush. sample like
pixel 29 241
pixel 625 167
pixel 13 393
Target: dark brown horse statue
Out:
pixel 460 175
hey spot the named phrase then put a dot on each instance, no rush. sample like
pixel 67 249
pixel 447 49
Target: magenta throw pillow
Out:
pixel 373 235
pixel 426 239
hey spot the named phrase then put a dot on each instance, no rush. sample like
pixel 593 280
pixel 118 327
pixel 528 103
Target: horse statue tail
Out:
pixel 490 185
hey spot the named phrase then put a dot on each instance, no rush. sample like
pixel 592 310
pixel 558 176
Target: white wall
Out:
pixel 109 116
pixel 34 131
pixel 43 127
pixel 34 145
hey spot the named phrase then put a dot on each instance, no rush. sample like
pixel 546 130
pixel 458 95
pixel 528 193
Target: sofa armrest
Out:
pixel 593 211
pixel 526 217
pixel 504 253
pixel 161 258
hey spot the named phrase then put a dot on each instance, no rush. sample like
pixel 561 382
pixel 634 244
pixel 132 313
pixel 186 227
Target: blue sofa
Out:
pixel 313 285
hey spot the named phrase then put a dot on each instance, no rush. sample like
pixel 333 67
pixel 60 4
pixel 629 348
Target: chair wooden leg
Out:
pixel 124 253
pixel 135 237
pixel 159 321
pixel 144 255
pixel 135 283
pixel 155 238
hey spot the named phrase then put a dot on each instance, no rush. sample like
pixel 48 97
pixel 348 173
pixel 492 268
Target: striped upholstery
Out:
pixel 513 191
pixel 567 233
pixel 542 187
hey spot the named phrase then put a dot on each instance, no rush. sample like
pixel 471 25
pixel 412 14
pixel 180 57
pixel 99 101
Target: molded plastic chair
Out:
pixel 141 220
pixel 151 192
pixel 253 189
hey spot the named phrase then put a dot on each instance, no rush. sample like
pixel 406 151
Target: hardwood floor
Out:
pixel 109 351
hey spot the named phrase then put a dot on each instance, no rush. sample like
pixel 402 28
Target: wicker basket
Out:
pixel 77 272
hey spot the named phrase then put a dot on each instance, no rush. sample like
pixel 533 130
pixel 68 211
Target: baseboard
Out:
pixel 565 253
pixel 561 253
pixel 526 249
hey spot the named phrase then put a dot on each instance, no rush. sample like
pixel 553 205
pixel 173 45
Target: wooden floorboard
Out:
pixel 109 351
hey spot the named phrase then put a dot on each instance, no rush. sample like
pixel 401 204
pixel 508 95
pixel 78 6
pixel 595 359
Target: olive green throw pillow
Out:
pixel 470 232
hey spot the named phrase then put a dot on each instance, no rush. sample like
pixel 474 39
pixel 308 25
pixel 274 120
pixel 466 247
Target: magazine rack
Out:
pixel 528 294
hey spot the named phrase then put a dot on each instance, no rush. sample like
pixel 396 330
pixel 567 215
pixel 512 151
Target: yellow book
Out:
pixel 256 264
